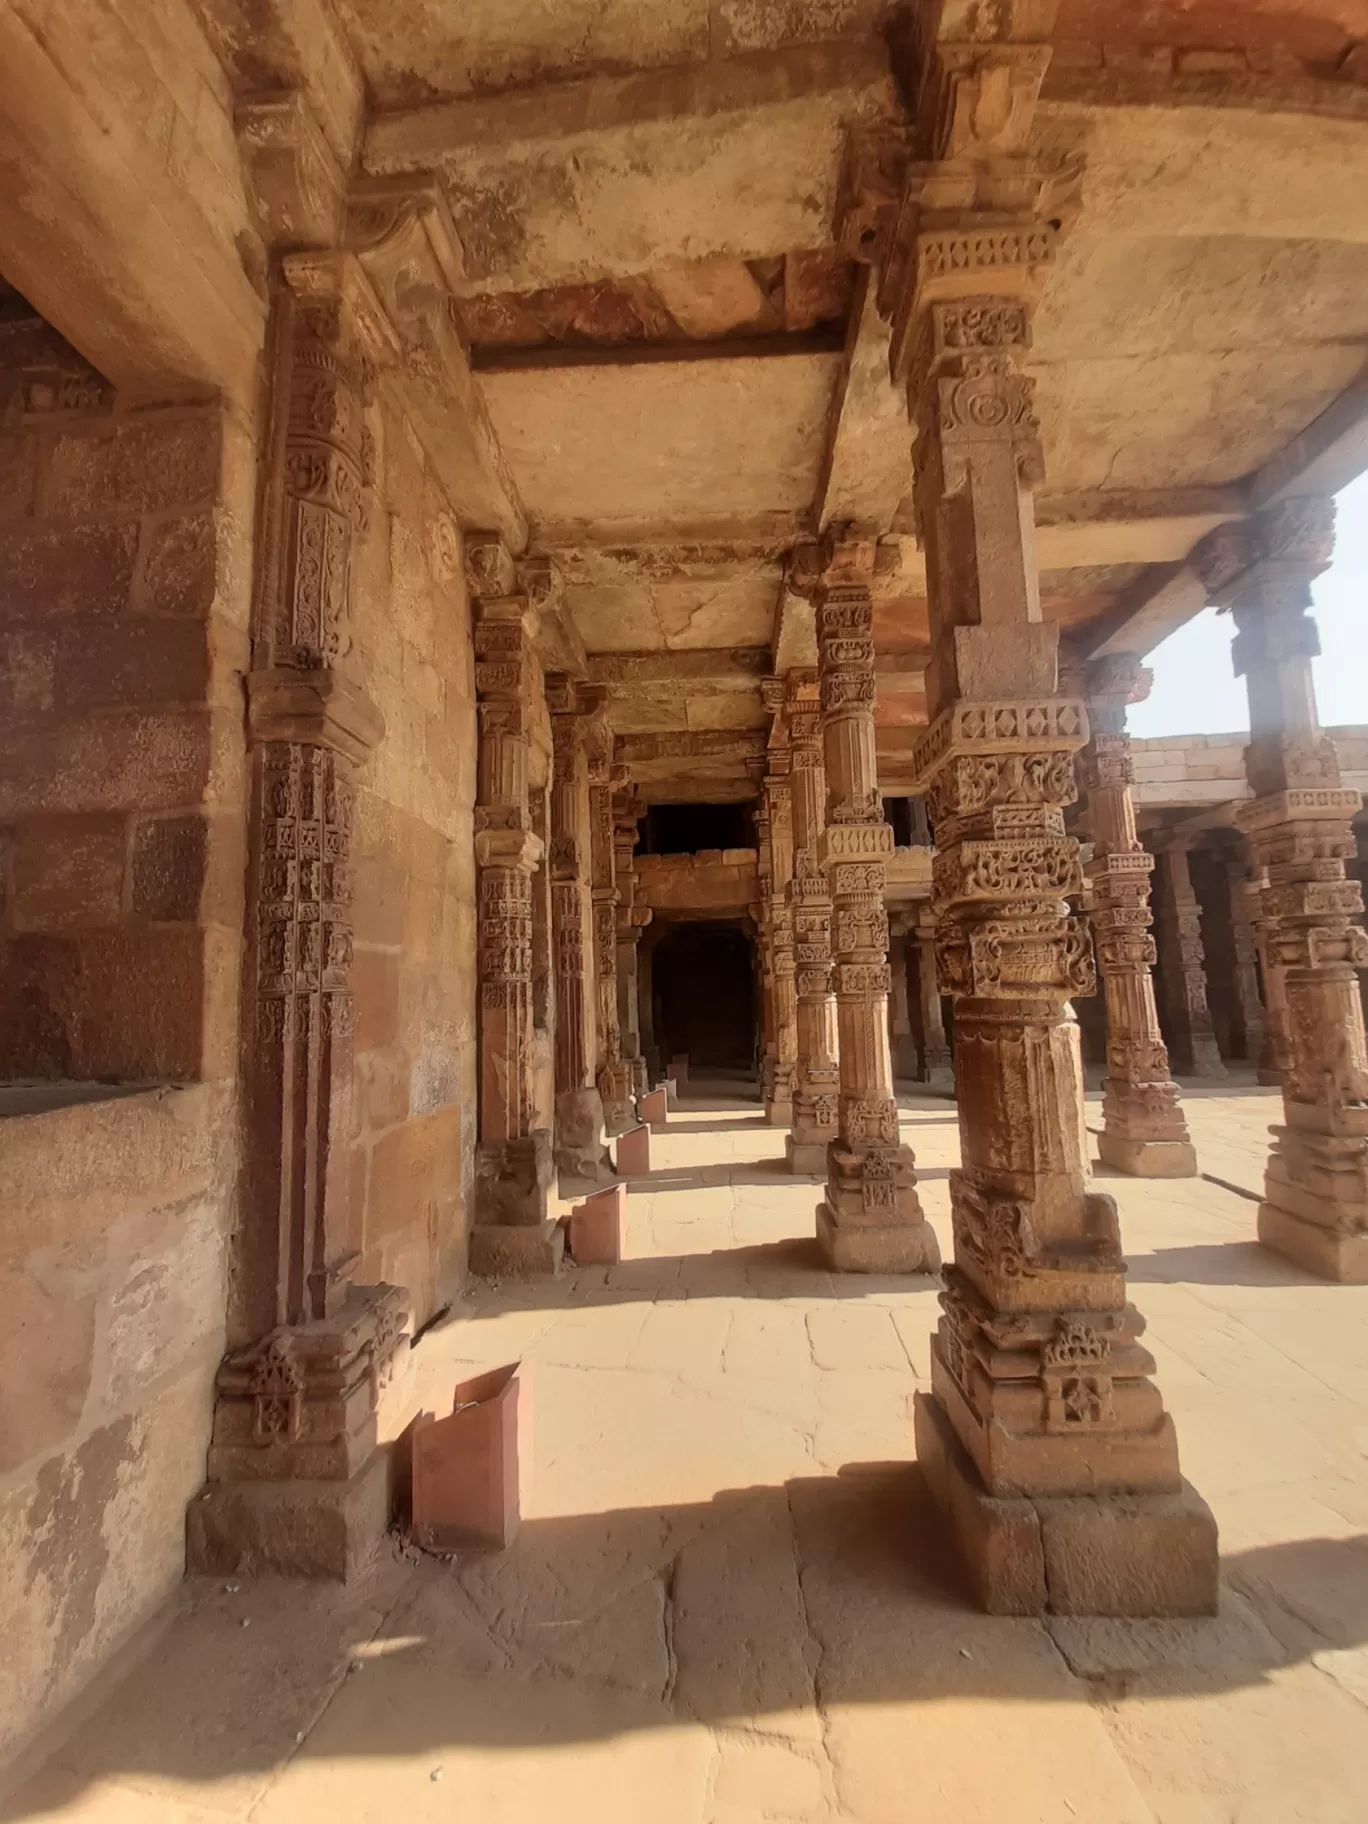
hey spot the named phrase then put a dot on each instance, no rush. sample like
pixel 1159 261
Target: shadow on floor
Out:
pixel 791 1268
pixel 741 1172
pixel 762 1602
pixel 1220 1263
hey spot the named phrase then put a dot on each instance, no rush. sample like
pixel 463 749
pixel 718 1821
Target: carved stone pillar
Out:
pixel 1180 916
pixel 1143 1129
pixel 632 920
pixel 297 1482
pixel 1315 1207
pixel 579 1149
pixel 815 1081
pixel 1044 1437
pixel 1243 916
pixel 512 1232
pixel 902 1042
pixel 613 1075
pixel 871 1220
pixel 934 1061
pixel 777 798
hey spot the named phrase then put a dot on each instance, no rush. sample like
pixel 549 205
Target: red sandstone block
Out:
pixel 465 1467
pixel 132 663
pixel 678 1068
pixel 85 570
pixel 180 568
pixel 168 867
pixel 67 873
pixel 18 472
pixel 595 1228
pixel 140 465
pixel 654 1109
pixel 634 1152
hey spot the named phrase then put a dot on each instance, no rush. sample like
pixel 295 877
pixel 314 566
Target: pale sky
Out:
pixel 1196 692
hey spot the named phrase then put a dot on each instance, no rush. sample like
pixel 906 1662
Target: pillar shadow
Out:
pixel 789 1268
pixel 1220 1263
pixel 593 1626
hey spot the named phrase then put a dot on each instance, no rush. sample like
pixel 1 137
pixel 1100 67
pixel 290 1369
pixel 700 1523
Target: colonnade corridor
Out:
pixel 731 1599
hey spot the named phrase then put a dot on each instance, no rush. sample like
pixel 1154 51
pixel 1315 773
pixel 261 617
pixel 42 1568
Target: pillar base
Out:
pixel 499 1251
pixel 1148 1158
pixel 580 1152
pixel 806 1158
pixel 1329 1253
pixel 900 1247
pixel 513 1181
pixel 320 1529
pixel 1117 1555
pixel 1207 1060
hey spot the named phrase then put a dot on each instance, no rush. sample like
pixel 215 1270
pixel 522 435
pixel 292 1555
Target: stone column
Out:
pixel 579 1148
pixel 777 797
pixel 632 920
pixel 814 1073
pixel 1143 1129
pixel 1180 917
pixel 1243 914
pixel 902 1044
pixel 1044 1437
pixel 1298 823
pixel 297 1482
pixel 935 1065
pixel 760 912
pixel 613 1076
pixel 512 1232
pixel 872 1219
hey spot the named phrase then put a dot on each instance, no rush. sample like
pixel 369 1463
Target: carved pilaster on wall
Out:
pixel 1143 1128
pixel 296 1480
pixel 1299 826
pixel 871 1219
pixel 512 1232
pixel 1040 1385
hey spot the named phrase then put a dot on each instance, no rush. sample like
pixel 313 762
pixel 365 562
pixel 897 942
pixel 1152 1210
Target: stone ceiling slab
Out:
pixel 1153 422
pixel 672 616
pixel 672 443
pixel 1211 171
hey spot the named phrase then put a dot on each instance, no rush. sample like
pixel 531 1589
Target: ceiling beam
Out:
pixel 1326 457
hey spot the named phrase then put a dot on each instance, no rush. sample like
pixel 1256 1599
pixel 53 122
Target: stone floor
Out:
pixel 729 1600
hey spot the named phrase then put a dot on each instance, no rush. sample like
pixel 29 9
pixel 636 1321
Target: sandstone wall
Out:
pixel 415 887
pixel 123 631
pixel 112 1279
pixel 125 557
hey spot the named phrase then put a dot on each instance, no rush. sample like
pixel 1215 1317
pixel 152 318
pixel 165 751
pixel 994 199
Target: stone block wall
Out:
pixel 123 615
pixel 112 1282
pixel 125 591
pixel 414 908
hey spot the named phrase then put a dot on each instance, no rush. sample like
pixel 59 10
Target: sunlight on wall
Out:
pixel 1195 689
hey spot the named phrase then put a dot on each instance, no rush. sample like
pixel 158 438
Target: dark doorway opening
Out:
pixel 688 829
pixel 703 983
